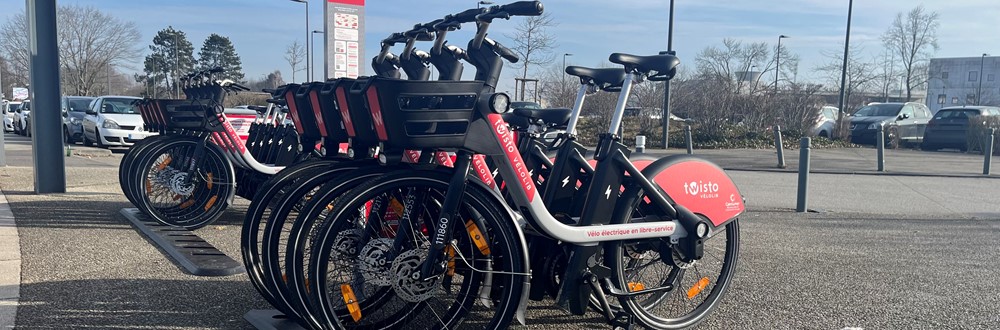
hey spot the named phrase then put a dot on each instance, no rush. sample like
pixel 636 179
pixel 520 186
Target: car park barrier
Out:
pixel 778 145
pixel 687 137
pixel 804 150
pixel 988 152
pixel 880 147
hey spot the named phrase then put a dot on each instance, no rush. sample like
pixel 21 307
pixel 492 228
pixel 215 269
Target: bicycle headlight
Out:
pixel 108 123
pixel 500 103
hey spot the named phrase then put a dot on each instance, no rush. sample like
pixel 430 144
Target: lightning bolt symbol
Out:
pixel 607 193
pixel 565 181
pixel 495 172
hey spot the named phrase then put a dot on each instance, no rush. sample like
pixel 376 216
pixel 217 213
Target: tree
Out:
pixel 532 43
pixel 295 53
pixel 218 51
pixel 271 80
pixel 912 37
pixel 91 43
pixel 862 76
pixel 172 57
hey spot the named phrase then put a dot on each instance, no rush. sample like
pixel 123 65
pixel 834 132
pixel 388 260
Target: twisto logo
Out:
pixel 705 189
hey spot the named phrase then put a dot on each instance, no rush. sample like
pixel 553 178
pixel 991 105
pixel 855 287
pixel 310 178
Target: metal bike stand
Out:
pixel 270 319
pixel 191 252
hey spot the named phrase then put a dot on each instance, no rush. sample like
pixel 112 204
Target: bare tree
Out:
pixel 912 37
pixel 532 43
pixel 295 53
pixel 862 76
pixel 732 64
pixel 91 44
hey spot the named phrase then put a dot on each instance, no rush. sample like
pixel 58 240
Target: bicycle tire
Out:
pixel 278 225
pixel 675 305
pixel 257 213
pixel 125 166
pixel 210 191
pixel 496 231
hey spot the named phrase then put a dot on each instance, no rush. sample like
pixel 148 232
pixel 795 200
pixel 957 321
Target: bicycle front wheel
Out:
pixel 366 260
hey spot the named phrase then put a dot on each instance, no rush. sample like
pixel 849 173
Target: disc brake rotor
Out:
pixel 406 280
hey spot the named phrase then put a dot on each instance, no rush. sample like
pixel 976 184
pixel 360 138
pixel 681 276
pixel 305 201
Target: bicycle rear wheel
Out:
pixel 696 286
pixel 364 259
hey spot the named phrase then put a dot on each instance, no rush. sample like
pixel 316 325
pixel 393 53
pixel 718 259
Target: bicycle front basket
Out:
pixel 413 114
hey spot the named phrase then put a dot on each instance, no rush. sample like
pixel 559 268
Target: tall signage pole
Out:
pixel 344 45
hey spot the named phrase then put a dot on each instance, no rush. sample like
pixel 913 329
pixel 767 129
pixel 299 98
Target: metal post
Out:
pixel 779 146
pixel 988 152
pixel 979 91
pixel 843 72
pixel 687 138
pixel 640 143
pixel 666 84
pixel 50 170
pixel 804 150
pixel 308 53
pixel 880 147
pixel 177 71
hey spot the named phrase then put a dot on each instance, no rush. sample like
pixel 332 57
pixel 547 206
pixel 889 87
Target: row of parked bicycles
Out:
pixel 416 203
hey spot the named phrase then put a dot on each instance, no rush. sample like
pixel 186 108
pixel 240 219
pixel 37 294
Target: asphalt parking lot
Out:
pixel 888 252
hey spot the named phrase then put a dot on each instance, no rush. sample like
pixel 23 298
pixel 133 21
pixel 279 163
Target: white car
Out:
pixel 9 110
pixel 113 121
pixel 826 123
pixel 19 122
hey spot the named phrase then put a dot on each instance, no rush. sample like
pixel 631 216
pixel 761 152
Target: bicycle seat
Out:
pixel 556 116
pixel 661 64
pixel 602 78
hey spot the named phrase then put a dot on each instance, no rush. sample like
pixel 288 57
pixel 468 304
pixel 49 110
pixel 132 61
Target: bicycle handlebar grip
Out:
pixel 467 16
pixel 506 53
pixel 523 8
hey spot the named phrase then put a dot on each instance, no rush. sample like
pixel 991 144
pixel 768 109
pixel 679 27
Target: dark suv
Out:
pixel 904 120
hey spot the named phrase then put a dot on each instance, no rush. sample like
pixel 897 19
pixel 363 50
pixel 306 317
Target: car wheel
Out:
pixel 97 135
pixel 86 141
pixel 824 134
pixel 891 138
pixel 67 137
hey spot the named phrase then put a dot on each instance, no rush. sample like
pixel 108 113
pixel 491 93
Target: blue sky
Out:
pixel 589 29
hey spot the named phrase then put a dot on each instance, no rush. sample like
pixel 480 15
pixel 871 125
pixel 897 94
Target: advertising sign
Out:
pixel 345 38
pixel 20 93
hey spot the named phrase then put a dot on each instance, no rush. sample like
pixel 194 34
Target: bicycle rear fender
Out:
pixel 699 185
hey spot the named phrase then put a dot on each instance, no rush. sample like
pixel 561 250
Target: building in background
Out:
pixel 961 81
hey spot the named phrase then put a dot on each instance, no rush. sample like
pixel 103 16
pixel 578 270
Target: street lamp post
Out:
pixel 777 63
pixel 979 91
pixel 308 57
pixel 312 45
pixel 564 72
pixel 666 84
pixel 843 70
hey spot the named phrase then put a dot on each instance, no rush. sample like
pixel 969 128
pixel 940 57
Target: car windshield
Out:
pixel 524 105
pixel 956 114
pixel 118 106
pixel 79 104
pixel 879 110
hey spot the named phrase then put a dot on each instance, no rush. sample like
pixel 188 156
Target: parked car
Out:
pixel 113 121
pixel 950 125
pixel 903 120
pixel 19 121
pixel 8 115
pixel 826 122
pixel 74 108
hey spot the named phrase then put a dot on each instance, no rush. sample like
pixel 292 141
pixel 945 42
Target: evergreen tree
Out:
pixel 172 57
pixel 218 51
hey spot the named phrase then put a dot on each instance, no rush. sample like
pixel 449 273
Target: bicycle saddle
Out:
pixel 555 116
pixel 605 79
pixel 661 64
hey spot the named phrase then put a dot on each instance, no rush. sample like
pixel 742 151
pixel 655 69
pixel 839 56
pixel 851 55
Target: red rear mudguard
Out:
pixel 697 184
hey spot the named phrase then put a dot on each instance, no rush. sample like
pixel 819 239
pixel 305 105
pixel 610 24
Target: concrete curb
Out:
pixel 10 266
pixel 90 152
pixel 875 173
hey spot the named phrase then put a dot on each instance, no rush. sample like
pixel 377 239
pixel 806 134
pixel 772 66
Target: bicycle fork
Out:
pixel 437 262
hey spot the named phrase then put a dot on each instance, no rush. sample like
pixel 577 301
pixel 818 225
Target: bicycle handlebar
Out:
pixel 505 52
pixel 523 8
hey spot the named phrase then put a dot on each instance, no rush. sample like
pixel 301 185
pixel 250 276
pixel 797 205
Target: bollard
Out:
pixel 778 145
pixel 640 143
pixel 687 138
pixel 800 205
pixel 880 148
pixel 988 152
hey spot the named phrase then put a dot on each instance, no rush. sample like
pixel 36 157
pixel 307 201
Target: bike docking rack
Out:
pixel 186 248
